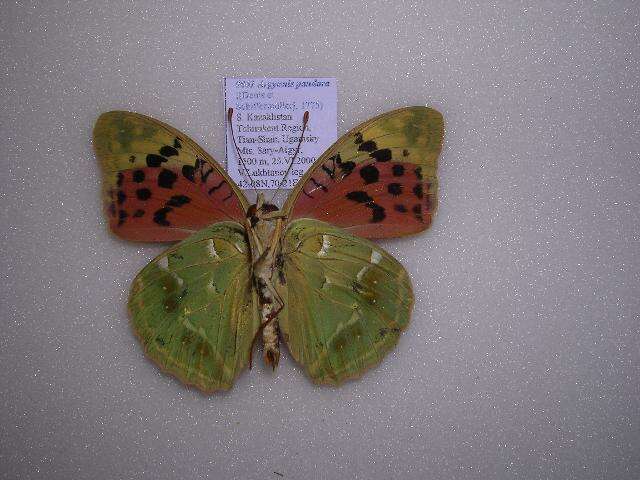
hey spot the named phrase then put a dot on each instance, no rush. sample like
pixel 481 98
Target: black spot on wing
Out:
pixel 400 208
pixel 398 170
pixel 138 176
pixel 418 172
pixel 358 139
pixel 417 190
pixel 331 172
pixel 177 143
pixel 189 172
pixel 122 215
pixel 359 196
pixel 160 216
pixel 417 211
pixel 204 176
pixel 368 146
pixel 378 214
pixel 143 194
pixel 347 168
pixel 382 155
pixel 369 174
pixel 405 153
pixel 318 185
pixel 167 178
pixel 120 179
pixel 394 189
pixel 132 158
pixel 178 201
pixel 154 160
pixel 216 187
pixel 168 151
pixel 121 197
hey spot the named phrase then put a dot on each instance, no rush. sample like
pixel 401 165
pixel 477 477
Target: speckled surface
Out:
pixel 523 358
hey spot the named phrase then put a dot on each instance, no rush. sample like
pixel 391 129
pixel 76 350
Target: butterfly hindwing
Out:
pixel 379 180
pixel 194 308
pixel 346 300
pixel 159 185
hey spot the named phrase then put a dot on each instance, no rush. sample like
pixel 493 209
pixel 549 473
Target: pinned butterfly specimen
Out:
pixel 305 272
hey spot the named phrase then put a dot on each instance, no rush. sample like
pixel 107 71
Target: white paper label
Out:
pixel 267 124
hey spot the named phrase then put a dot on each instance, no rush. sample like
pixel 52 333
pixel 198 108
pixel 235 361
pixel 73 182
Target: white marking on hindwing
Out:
pixel 355 318
pixel 326 243
pixel 211 247
pixel 374 260
pixel 163 263
pixel 362 271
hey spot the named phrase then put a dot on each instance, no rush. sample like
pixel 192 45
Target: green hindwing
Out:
pixel 195 309
pixel 346 300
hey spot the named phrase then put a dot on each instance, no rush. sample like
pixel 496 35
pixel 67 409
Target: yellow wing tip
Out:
pixel 107 116
pixel 425 108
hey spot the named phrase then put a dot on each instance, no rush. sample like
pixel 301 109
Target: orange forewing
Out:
pixel 379 180
pixel 373 200
pixel 164 205
pixel 159 185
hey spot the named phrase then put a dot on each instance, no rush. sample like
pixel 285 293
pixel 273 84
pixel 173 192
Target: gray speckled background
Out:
pixel 523 358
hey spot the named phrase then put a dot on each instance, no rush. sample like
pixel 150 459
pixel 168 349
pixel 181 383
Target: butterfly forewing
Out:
pixel 159 185
pixel 346 300
pixel 194 308
pixel 379 180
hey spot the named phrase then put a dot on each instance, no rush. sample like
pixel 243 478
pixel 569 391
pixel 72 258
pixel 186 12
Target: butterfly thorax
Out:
pixel 264 228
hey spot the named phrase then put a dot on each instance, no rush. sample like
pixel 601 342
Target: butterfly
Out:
pixel 305 273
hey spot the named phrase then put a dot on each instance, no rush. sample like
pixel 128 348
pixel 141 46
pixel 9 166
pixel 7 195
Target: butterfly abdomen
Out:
pixel 270 306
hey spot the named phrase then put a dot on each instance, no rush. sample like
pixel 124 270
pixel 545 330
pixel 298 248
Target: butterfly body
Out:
pixel 241 271
pixel 264 229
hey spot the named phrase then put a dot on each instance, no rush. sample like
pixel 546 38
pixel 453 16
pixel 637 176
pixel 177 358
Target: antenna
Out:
pixel 233 137
pixel 305 120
